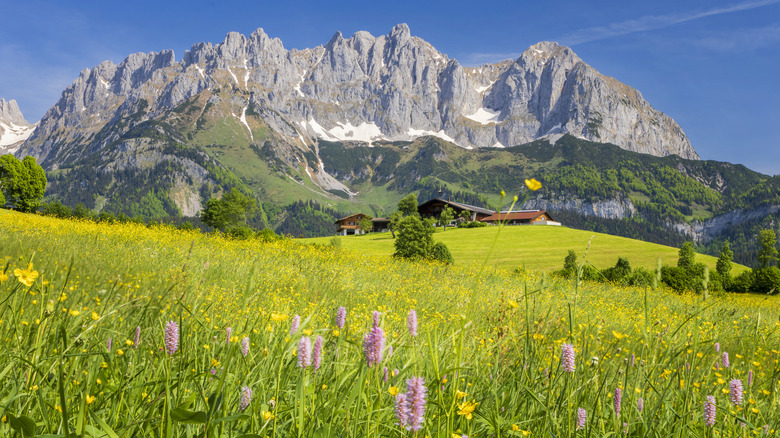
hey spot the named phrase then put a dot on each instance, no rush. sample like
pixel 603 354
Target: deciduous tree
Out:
pixel 229 212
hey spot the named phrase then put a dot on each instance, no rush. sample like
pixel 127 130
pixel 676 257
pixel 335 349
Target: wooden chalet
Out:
pixel 350 224
pixel 523 217
pixel 434 207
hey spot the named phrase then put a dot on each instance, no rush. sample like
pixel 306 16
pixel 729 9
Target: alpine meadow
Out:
pixel 361 236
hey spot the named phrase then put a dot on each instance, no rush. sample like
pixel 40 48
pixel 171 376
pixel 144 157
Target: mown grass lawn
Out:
pixel 538 248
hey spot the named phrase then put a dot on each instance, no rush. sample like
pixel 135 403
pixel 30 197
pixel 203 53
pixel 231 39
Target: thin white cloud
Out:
pixel 650 22
pixel 742 40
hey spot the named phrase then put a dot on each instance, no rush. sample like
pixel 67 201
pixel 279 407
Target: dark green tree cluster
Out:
pixel 415 235
pixel 22 183
pixel 689 275
pixel 230 214
pixel 621 273
pixel 415 241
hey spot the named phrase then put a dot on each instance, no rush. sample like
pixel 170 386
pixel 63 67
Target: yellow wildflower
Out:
pixel 466 408
pixel 460 394
pixel 267 415
pixel 393 390
pixel 278 317
pixel 533 184
pixel 27 276
pixel 3 277
pixel 90 398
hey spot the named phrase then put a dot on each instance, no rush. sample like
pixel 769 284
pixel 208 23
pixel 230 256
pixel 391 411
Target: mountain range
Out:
pixel 154 136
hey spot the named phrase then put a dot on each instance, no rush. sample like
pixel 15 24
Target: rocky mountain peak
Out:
pixel 10 112
pixel 14 129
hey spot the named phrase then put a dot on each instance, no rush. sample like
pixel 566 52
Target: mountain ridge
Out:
pixel 365 88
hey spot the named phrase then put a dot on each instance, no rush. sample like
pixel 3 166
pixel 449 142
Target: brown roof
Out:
pixel 515 215
pixel 347 217
pixel 458 205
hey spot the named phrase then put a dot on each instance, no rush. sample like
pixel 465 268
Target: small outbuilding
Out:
pixel 522 217
pixel 350 224
pixel 380 224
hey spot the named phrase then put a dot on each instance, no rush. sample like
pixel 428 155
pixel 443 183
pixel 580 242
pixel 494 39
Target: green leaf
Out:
pixel 23 424
pixel 233 417
pixel 105 427
pixel 188 417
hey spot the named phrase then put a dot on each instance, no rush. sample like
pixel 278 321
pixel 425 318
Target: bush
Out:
pixel 641 277
pixel 618 273
pixel 743 282
pixel 590 273
pixel 55 209
pixel 675 277
pixel 241 232
pixel 415 241
pixel 441 253
pixel 472 224
pixel 267 235
pixel 767 280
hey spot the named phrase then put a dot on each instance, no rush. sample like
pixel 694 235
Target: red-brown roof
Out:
pixel 356 215
pixel 515 216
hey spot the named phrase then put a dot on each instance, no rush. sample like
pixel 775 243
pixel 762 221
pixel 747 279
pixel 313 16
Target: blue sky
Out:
pixel 712 65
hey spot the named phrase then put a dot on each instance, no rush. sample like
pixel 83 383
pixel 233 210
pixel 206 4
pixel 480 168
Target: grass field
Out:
pixel 539 248
pixel 124 330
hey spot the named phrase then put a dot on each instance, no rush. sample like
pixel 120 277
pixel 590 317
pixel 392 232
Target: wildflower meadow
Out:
pixel 121 330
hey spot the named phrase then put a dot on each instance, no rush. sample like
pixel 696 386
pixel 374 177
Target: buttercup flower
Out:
pixel 533 184
pixel 26 276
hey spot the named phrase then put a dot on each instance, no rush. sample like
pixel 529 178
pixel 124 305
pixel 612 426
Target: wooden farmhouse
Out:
pixel 434 207
pixel 350 224
pixel 523 217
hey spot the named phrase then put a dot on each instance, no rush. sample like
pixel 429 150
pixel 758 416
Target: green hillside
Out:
pixel 535 247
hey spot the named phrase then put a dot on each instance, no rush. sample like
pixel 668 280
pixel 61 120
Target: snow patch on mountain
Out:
pixel 414 133
pixel 484 116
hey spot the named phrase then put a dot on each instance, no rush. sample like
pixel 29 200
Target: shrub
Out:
pixel 55 209
pixel 241 232
pixel 743 282
pixel 619 272
pixel 641 277
pixel 675 277
pixel 441 253
pixel 472 224
pixel 268 235
pixel 766 280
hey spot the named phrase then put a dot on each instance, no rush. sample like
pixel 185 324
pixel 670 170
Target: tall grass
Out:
pixel 488 347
